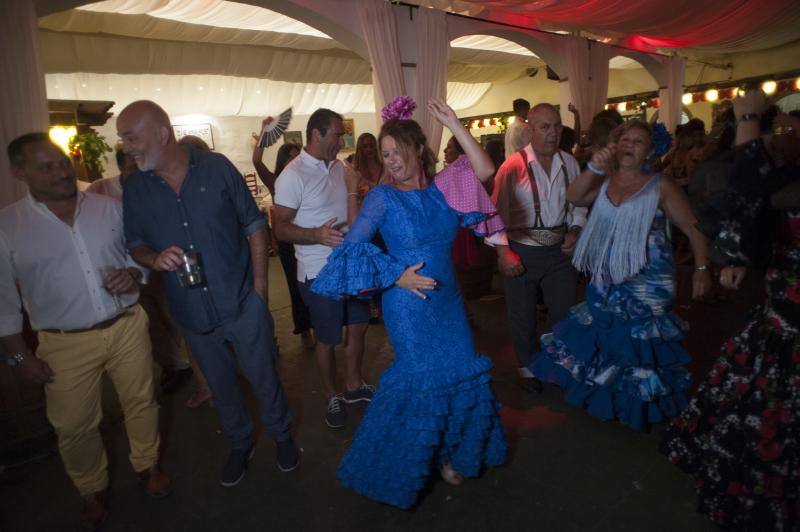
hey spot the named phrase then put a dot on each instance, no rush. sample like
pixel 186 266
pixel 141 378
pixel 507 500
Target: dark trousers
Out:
pixel 251 336
pixel 300 315
pixel 550 270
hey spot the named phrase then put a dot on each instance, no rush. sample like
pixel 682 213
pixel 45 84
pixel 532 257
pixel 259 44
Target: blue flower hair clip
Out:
pixel 662 140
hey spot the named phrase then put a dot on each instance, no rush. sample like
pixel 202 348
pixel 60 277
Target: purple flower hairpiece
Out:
pixel 400 108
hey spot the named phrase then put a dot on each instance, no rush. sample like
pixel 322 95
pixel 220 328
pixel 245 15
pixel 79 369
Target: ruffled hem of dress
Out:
pixel 643 385
pixel 736 438
pixel 357 269
pixel 419 420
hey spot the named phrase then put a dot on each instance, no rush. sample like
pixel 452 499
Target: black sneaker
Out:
pixel 362 393
pixel 234 470
pixel 288 456
pixel 336 416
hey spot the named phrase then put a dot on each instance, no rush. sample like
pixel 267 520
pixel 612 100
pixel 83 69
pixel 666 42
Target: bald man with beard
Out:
pixel 185 199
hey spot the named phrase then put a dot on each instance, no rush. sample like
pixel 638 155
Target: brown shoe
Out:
pixel 94 511
pixel 156 483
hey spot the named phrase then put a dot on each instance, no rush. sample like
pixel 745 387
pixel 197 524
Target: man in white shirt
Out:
pixel 65 251
pixel 518 135
pixel 541 232
pixel 311 211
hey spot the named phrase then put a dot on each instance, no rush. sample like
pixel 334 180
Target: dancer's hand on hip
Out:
pixel 414 282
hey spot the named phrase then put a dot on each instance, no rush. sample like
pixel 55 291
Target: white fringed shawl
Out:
pixel 613 245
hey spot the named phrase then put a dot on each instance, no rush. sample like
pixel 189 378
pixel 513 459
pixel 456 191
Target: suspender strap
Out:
pixel 537 204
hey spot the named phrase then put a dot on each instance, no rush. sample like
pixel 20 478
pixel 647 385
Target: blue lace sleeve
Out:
pixel 357 267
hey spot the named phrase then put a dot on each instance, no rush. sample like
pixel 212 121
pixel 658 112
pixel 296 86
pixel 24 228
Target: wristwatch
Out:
pixel 15 360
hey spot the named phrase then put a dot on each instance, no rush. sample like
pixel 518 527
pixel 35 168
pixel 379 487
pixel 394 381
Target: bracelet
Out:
pixel 747 117
pixel 703 268
pixel 593 169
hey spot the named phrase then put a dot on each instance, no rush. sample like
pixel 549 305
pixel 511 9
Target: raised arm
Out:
pixel 481 162
pixel 583 190
pixel 264 174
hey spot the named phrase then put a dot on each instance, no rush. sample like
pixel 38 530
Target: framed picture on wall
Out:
pixel 198 130
pixel 349 135
pixel 293 137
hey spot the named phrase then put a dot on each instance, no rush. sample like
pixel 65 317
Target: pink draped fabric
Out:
pixel 714 25
pixel 587 71
pixel 433 56
pixel 464 192
pixel 380 34
pixel 24 103
pixel 670 96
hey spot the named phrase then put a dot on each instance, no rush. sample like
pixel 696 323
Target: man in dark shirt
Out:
pixel 183 199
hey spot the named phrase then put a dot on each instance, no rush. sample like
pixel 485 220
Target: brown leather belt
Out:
pixel 96 327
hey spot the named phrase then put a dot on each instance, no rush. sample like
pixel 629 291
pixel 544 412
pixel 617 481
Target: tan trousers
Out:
pixel 73 398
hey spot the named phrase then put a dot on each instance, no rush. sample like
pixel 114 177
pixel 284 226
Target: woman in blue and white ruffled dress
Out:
pixel 619 353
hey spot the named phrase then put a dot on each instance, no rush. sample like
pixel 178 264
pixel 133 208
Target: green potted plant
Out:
pixel 92 149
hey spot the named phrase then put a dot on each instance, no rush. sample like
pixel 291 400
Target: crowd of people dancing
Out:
pixel 386 231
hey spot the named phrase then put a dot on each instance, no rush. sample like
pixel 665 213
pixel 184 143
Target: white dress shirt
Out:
pixel 58 267
pixel 318 193
pixel 514 197
pixel 108 186
pixel 518 135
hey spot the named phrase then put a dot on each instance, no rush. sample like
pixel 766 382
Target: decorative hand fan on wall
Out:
pixel 273 131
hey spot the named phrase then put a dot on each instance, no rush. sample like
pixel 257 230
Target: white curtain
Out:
pixel 587 70
pixel 669 112
pixel 432 60
pixel 232 96
pixel 24 104
pixel 380 34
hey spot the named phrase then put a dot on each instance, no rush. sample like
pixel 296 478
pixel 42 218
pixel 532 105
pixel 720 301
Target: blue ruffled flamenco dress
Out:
pixel 435 404
pixel 618 354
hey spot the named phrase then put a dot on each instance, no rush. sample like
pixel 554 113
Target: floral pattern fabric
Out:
pixel 738 437
pixel 619 353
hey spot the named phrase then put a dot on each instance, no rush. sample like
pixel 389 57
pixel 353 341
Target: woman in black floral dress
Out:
pixel 738 436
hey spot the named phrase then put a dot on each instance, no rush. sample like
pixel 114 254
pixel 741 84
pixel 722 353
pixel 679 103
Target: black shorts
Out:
pixel 329 315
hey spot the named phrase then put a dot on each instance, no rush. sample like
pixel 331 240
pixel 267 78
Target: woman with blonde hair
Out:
pixel 435 406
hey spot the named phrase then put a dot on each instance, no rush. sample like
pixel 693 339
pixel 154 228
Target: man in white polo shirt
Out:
pixel 311 212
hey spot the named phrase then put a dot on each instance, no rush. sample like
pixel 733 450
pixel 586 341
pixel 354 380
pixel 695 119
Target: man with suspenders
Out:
pixel 541 232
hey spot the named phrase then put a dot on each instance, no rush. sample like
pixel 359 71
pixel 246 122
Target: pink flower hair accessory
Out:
pixel 400 108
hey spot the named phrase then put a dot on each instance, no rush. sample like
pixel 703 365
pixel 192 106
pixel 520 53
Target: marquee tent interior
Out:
pixel 231 63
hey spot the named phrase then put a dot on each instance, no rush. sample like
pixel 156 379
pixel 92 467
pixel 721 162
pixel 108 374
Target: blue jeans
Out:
pixel 251 335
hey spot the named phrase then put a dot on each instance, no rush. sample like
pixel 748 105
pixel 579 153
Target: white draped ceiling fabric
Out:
pixel 23 105
pixel 587 72
pixel 380 33
pixel 669 112
pixel 232 96
pixel 432 58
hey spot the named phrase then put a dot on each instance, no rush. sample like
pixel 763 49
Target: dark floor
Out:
pixel 566 470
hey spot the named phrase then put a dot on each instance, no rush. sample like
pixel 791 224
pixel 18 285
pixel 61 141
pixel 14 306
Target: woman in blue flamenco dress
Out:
pixel 435 406
pixel 619 353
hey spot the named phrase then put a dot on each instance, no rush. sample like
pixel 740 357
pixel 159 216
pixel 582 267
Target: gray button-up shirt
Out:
pixel 213 214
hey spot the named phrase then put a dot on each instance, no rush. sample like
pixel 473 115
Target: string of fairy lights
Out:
pixel 710 93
